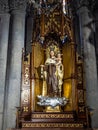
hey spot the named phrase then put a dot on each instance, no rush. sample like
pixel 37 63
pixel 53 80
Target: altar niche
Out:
pixel 52 76
pixel 49 77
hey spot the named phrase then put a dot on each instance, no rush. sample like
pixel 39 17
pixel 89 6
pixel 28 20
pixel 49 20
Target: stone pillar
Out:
pixel 90 67
pixel 4 34
pixel 17 36
pixel 96 33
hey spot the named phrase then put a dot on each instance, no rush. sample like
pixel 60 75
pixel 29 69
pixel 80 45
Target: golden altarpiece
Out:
pixel 45 104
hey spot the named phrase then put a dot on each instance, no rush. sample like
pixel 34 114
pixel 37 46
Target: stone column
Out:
pixel 90 67
pixel 17 36
pixel 4 33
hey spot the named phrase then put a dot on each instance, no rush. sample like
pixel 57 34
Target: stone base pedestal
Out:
pixel 52 120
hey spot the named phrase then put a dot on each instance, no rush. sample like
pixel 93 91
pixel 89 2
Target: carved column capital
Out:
pixel 83 3
pixel 4 7
pixel 19 5
pixel 87 3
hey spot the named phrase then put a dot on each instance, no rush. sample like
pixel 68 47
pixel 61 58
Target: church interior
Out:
pixel 48 64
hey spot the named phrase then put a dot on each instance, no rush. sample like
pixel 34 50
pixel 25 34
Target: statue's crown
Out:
pixel 52 48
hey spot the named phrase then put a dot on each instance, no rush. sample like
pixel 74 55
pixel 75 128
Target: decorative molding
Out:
pixel 4 7
pixel 25 95
pixel 82 109
pixel 55 116
pixel 79 75
pixel 81 96
pixel 25 109
pixel 19 5
pixel 62 125
pixel 26 74
pixel 80 87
